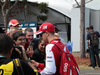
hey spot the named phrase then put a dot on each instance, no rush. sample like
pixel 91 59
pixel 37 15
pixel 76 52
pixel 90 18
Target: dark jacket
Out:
pixel 38 56
pixel 7 66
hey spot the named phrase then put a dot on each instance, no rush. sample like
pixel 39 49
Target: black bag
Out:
pixel 94 38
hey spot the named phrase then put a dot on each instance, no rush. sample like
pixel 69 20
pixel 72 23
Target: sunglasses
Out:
pixel 41 34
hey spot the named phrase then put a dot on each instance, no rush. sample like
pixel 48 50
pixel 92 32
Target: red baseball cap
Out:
pixel 13 22
pixel 46 27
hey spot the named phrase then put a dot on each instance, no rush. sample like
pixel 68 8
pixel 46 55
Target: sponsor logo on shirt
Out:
pixel 49 57
pixel 65 67
pixel 49 61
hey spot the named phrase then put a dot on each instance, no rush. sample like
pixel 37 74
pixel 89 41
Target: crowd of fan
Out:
pixel 24 42
pixel 37 55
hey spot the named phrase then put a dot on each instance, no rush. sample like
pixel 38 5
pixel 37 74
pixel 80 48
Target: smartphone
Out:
pixel 31 44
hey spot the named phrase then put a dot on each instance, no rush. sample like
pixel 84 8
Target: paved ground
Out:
pixel 85 70
pixel 90 72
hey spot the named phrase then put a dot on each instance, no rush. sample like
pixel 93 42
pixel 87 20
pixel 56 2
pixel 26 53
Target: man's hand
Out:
pixel 34 63
pixel 87 48
pixel 23 53
pixel 88 44
pixel 30 51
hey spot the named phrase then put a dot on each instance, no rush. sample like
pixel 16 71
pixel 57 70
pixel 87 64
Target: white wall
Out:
pixel 95 19
pixel 87 23
pixel 75 29
pixel 91 18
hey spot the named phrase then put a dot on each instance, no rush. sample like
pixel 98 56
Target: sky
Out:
pixel 68 4
pixel 52 3
pixel 56 1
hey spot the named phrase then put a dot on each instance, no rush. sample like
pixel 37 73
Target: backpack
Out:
pixel 68 65
pixel 18 66
pixel 94 38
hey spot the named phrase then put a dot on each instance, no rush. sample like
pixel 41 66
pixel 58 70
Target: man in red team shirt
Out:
pixel 53 54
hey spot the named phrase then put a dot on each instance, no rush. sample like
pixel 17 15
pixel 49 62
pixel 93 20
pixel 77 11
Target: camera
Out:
pixel 15 54
pixel 18 47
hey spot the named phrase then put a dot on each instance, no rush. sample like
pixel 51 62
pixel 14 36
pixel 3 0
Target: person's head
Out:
pixel 87 29
pixel 56 35
pixel 12 31
pixel 91 27
pixel 29 34
pixel 13 23
pixel 41 45
pixel 46 31
pixel 19 38
pixel 6 45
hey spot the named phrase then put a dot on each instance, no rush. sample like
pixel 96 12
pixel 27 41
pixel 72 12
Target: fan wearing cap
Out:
pixel 13 24
pixel 52 57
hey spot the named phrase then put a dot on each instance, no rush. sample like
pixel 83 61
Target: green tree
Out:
pixel 43 7
pixel 6 8
pixel 8 5
pixel 82 27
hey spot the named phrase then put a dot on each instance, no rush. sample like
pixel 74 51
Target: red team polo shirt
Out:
pixel 53 55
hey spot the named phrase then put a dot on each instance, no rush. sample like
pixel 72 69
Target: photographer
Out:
pixel 20 40
pixel 7 65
